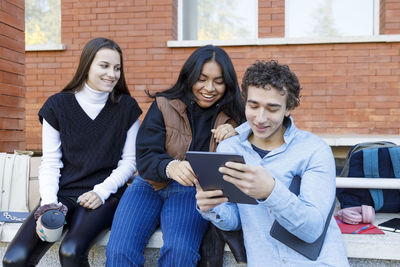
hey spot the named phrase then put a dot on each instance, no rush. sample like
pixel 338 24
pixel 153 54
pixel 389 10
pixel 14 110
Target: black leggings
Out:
pixel 83 227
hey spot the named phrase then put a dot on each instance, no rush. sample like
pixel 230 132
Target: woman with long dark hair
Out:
pixel 89 131
pixel 201 109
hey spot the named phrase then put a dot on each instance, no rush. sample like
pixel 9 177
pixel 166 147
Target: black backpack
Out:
pixel 372 160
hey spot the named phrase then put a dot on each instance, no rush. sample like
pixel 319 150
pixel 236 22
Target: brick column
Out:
pixel 271 18
pixel 389 21
pixel 12 76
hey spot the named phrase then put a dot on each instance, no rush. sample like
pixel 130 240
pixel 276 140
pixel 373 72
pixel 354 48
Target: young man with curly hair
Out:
pixel 275 151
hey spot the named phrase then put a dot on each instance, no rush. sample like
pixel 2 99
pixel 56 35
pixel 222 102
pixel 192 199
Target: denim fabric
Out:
pixel 302 154
pixel 141 210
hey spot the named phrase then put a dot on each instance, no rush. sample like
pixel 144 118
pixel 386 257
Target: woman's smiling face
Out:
pixel 105 70
pixel 210 86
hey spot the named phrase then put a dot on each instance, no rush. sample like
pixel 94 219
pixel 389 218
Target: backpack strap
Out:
pixel 395 157
pixel 359 147
pixel 371 170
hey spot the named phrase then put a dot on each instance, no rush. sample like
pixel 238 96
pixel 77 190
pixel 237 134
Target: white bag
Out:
pixel 14 181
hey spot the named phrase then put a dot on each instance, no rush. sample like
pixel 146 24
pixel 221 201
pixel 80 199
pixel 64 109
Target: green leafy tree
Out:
pixel 217 21
pixel 36 37
pixel 42 22
pixel 324 21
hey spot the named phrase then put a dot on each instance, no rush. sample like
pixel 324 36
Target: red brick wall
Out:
pixel 271 18
pixel 347 88
pixel 140 27
pixel 382 18
pixel 390 19
pixel 12 72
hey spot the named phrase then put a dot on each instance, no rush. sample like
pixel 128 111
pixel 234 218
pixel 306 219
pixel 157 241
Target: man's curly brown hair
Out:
pixel 264 74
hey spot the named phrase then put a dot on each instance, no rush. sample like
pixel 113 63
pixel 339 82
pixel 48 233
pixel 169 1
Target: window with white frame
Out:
pixel 42 22
pixel 331 18
pixel 217 20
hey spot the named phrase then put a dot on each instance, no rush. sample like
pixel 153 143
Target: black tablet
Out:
pixel 206 165
pixel 392 225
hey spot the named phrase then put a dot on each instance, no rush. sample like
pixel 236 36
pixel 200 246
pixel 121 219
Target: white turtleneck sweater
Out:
pixel 92 102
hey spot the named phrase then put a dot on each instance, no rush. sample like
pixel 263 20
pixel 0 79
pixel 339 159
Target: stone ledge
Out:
pixel 341 143
pixel 97 257
pixel 382 38
pixel 384 247
pixel 351 140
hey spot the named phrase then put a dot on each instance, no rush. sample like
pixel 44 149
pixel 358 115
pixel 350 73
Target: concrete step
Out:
pixel 97 258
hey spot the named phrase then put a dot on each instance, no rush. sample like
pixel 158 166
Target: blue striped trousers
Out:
pixel 141 210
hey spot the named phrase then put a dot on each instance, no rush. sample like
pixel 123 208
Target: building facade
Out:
pixel 350 85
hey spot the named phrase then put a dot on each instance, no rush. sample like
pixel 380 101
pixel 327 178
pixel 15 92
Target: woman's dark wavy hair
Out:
pixel 262 74
pixel 231 103
pixel 88 53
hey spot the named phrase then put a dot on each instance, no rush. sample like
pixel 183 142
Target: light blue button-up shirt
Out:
pixel 302 154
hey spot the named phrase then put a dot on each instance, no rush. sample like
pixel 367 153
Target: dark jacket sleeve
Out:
pixel 151 155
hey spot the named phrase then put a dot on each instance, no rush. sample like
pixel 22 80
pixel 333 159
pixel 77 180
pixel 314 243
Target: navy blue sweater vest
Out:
pixel 90 148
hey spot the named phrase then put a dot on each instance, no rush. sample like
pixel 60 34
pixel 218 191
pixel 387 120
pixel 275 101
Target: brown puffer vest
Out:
pixel 178 132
